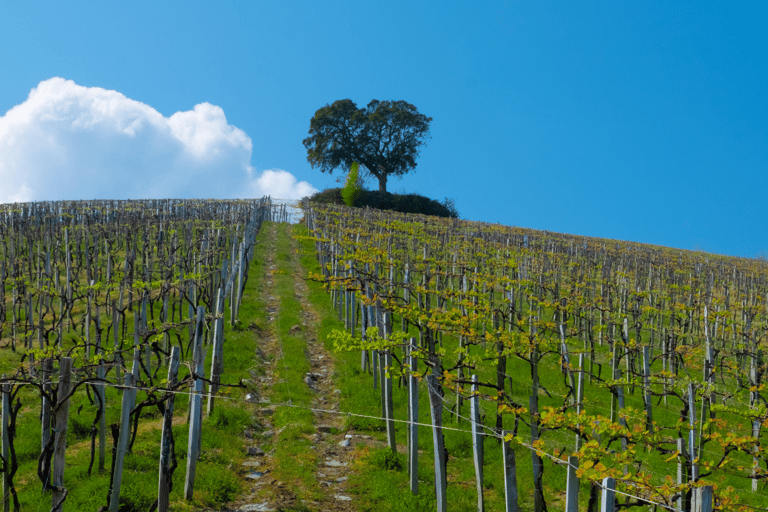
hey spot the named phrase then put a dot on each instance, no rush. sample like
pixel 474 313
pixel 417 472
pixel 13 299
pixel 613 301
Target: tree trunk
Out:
pixel 382 182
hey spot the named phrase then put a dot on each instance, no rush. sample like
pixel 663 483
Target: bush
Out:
pixel 353 188
pixel 327 196
pixel 403 203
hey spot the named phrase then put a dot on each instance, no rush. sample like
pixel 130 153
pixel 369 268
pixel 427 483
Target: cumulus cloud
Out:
pixel 280 184
pixel 67 141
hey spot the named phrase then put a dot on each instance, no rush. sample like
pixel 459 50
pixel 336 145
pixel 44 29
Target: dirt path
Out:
pixel 333 445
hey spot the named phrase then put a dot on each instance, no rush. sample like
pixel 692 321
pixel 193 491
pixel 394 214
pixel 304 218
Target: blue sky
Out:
pixel 643 121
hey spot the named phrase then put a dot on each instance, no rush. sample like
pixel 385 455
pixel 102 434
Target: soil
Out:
pixel 334 445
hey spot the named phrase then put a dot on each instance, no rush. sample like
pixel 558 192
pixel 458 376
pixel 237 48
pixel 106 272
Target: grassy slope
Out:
pixel 382 489
pixel 219 475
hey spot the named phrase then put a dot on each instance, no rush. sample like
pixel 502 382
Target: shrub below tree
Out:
pixel 404 203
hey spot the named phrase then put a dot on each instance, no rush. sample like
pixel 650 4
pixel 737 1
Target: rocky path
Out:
pixel 334 446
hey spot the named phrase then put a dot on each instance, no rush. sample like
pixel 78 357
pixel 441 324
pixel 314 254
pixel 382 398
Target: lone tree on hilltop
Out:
pixel 383 137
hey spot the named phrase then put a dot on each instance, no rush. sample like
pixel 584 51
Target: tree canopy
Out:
pixel 384 138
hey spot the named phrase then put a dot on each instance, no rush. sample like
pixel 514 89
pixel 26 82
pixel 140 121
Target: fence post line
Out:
pixel 167 434
pixel 6 410
pixel 572 485
pixel 47 369
pixel 477 442
pixel 510 473
pixel 706 499
pixel 195 416
pixel 682 474
pixel 413 416
pixel 61 413
pixel 240 272
pixel 580 396
pixel 218 346
pixel 100 391
pixel 116 337
pixel 537 464
pixel 647 385
pixel 375 368
pixel 388 403
pixel 364 362
pixel 692 452
pixel 122 442
pixel 608 495
pixel 436 410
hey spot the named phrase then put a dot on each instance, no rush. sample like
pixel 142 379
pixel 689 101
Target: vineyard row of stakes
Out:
pixel 623 360
pixel 619 360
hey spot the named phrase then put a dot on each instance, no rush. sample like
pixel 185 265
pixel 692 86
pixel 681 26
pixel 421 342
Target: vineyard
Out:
pixel 605 373
pixel 550 371
pixel 111 312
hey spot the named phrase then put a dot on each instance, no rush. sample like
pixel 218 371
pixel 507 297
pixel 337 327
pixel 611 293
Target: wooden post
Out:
pixel 364 362
pixel 682 475
pixel 616 374
pixel 477 442
pixel 538 466
pixel 240 271
pixel 608 495
pixel 47 369
pixel 692 433
pixel 116 336
pixel 567 364
pixel 61 417
pixel 539 505
pixel 706 499
pixel 6 410
pixel 572 485
pixel 195 417
pixel 580 395
pixel 375 369
pixel 122 441
pixel 510 474
pixel 413 416
pixel 436 410
pixel 167 435
pixel 388 403
pixel 218 344
pixel 99 388
pixel 647 386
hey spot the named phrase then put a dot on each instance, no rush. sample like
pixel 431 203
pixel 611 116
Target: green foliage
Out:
pixel 230 418
pixel 353 187
pixel 136 495
pixel 387 459
pixel 403 203
pixel 384 137
pixel 219 483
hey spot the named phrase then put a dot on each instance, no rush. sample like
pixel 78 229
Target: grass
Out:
pixel 219 477
pixel 383 489
pixel 378 486
pixel 294 459
pixel 379 483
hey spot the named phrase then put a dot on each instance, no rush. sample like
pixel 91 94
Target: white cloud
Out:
pixel 67 141
pixel 280 184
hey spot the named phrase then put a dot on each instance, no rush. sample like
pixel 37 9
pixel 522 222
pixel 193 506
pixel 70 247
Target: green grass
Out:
pixel 219 477
pixel 381 489
pixel 295 460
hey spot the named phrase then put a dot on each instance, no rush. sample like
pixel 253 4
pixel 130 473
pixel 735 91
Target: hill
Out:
pixel 594 358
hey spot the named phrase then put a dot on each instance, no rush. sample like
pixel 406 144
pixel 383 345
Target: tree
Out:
pixel 384 138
